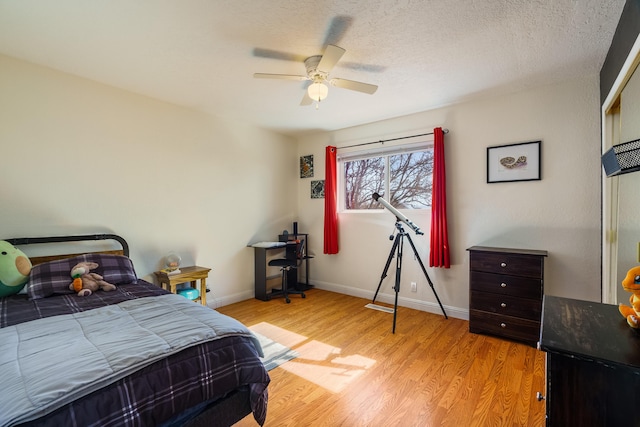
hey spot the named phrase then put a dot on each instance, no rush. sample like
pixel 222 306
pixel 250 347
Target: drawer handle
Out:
pixel 503 264
pixel 503 285
pixel 503 325
pixel 503 305
pixel 540 396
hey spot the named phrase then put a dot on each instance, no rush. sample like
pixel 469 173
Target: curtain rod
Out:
pixel 382 141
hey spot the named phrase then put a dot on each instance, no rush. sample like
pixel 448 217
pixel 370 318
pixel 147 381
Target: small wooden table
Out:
pixel 187 274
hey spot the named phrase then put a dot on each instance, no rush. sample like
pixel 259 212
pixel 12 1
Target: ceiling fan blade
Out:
pixel 353 85
pixel 330 57
pixel 279 76
pixel 306 100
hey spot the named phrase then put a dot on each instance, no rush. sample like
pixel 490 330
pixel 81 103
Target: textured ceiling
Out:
pixel 422 54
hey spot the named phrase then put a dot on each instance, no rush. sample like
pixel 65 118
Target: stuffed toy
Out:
pixel 14 269
pixel 631 283
pixel 86 283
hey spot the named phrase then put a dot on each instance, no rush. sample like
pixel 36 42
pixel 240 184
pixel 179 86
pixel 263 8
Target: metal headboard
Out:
pixel 60 239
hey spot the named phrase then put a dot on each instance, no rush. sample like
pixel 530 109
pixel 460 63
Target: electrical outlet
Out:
pixel 414 287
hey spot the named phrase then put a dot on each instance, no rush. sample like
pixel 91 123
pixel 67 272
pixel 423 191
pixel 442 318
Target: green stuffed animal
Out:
pixel 14 269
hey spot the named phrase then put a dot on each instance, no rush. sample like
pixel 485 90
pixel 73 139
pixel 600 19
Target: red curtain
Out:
pixel 439 254
pixel 330 202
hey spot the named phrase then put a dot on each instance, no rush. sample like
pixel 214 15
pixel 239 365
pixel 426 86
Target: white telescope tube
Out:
pixel 397 213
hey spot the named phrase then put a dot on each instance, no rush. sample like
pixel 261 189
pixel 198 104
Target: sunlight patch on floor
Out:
pixel 279 335
pixel 317 362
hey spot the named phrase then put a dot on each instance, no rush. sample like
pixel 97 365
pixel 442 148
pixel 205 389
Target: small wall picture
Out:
pixel 317 189
pixel 514 162
pixel 306 166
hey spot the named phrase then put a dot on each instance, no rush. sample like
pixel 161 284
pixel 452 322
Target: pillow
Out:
pixel 54 277
pixel 14 269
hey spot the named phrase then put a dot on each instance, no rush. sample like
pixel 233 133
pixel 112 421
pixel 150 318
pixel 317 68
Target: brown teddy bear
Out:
pixel 631 283
pixel 85 283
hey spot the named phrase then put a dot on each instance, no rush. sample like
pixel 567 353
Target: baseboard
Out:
pixel 427 306
pixel 216 302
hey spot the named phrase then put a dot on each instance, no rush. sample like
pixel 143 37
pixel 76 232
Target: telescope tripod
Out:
pixel 397 249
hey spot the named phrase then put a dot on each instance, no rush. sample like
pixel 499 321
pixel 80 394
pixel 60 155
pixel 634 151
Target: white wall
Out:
pixel 560 213
pixel 79 157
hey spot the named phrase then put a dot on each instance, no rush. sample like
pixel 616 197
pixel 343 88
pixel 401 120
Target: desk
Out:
pixel 260 267
pixel 260 264
pixel 187 274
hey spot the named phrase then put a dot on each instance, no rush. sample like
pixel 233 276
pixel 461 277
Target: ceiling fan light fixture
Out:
pixel 317 91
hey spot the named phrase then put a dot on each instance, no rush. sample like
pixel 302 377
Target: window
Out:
pixel 402 175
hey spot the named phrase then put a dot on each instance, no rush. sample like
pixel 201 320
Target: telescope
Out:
pixel 396 251
pixel 397 213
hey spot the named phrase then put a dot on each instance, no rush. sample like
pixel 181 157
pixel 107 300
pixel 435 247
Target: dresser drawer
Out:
pixel 501 284
pixel 507 305
pixel 507 263
pixel 504 326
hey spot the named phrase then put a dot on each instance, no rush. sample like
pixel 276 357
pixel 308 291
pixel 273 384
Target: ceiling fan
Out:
pixel 318 69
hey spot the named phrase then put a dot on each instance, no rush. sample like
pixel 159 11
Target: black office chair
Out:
pixel 286 264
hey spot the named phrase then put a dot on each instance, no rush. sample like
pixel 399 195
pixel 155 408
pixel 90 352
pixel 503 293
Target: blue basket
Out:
pixel 190 293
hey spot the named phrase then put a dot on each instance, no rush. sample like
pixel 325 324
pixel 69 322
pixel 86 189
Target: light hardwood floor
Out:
pixel 352 371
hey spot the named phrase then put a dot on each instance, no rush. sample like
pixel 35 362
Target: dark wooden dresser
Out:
pixel 593 364
pixel 506 287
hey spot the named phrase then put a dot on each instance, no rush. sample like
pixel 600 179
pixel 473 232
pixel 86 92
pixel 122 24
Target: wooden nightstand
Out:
pixel 187 274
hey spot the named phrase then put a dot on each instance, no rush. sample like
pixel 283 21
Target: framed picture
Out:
pixel 317 189
pixel 514 162
pixel 306 166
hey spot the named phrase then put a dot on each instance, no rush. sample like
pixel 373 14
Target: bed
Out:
pixel 135 356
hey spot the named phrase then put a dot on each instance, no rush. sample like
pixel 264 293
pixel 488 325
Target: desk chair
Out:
pixel 286 264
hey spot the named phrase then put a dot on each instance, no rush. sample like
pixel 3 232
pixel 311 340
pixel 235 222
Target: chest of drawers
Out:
pixel 593 364
pixel 506 287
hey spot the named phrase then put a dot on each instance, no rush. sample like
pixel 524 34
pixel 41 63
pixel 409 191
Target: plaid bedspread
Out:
pixel 18 308
pixel 160 391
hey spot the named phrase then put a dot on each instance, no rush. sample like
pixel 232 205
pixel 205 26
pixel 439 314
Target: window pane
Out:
pixel 410 180
pixel 363 178
pixel 403 179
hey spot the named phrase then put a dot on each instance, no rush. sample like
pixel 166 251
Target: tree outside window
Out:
pixel 404 180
